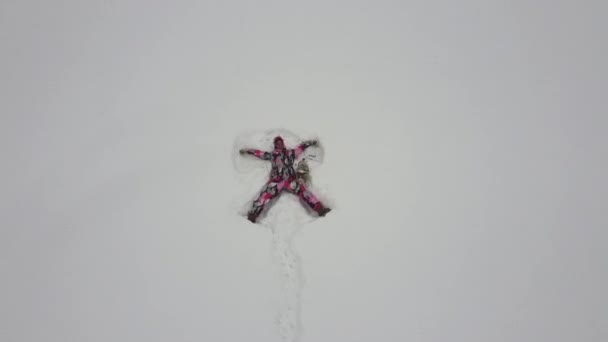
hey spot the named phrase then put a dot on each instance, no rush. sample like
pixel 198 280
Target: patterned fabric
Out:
pixel 282 160
pixel 282 177
pixel 272 189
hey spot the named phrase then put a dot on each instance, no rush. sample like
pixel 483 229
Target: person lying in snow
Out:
pixel 283 177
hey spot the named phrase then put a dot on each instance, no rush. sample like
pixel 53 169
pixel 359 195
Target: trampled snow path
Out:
pixel 290 268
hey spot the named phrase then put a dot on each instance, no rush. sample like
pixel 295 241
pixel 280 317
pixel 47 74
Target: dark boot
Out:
pixel 323 211
pixel 251 217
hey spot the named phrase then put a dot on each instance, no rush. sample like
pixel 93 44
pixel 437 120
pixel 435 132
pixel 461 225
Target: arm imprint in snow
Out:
pixel 283 176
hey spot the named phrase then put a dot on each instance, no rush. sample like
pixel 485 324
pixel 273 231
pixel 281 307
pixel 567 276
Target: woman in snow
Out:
pixel 283 177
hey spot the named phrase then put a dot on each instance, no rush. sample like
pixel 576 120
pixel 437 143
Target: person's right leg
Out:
pixel 270 191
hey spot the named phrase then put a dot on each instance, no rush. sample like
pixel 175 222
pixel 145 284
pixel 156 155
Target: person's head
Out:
pixel 278 143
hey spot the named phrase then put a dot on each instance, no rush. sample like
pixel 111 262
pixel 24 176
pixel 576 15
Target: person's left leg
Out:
pixel 308 197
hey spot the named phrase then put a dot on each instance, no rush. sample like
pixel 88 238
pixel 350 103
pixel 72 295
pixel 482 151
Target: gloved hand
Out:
pixel 242 151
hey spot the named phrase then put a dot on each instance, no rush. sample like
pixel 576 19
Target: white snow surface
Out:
pixel 464 151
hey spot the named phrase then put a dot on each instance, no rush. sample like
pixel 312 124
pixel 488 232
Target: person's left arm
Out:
pixel 303 146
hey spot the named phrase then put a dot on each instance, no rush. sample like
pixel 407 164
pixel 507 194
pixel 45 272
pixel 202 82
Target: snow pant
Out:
pixel 272 189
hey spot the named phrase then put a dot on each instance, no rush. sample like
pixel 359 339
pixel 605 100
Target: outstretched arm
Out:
pixel 256 153
pixel 303 146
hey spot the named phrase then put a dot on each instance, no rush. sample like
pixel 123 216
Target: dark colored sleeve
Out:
pixel 259 154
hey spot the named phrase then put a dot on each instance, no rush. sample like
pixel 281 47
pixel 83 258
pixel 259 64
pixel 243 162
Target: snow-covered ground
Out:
pixel 465 156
